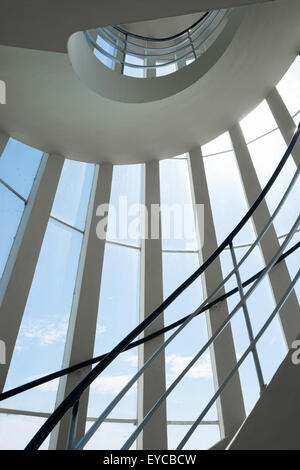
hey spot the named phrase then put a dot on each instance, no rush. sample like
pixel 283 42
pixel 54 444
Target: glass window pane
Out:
pixel 118 311
pixel 40 344
pixel 110 436
pixel 124 216
pixel 222 143
pixel 266 153
pixel 105 388
pixel 73 193
pixel 118 314
pixel 137 72
pixel 18 166
pixel 11 210
pixel 289 87
pixel 164 69
pixel 258 122
pixel 107 47
pixel 204 437
pixel 189 61
pixel 16 431
pixel 271 347
pixel 177 215
pixel 249 383
pixel 181 403
pixel 292 260
pixel 227 197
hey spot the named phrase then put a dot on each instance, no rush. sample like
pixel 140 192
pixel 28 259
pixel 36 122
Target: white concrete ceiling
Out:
pixel 47 24
pixel 48 107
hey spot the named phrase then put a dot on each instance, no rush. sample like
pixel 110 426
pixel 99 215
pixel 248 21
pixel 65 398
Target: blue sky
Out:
pixel 40 344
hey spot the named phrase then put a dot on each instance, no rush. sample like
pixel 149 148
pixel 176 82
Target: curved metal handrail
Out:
pixel 163 397
pixel 152 49
pixel 80 365
pixel 178 52
pixel 240 361
pixel 144 56
pixel 204 348
pixel 74 396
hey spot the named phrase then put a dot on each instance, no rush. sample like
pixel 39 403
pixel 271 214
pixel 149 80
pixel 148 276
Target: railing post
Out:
pixel 279 276
pixel 152 384
pixel 247 320
pixel 124 55
pixel 84 313
pixel 18 274
pixel 230 405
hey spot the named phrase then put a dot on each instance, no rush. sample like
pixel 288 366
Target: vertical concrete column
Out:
pixel 279 275
pixel 20 267
pixel 84 313
pixel 4 138
pixel 230 405
pixel 153 383
pixel 284 121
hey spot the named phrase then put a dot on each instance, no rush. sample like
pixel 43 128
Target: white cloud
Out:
pixel 100 329
pixel 104 384
pixel 132 359
pixel 176 364
pixel 46 331
pixel 50 330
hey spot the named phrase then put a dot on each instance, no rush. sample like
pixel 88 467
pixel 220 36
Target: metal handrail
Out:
pixel 169 38
pixel 146 49
pixel 68 370
pixel 150 49
pixel 240 361
pixel 202 350
pixel 110 407
pixel 73 396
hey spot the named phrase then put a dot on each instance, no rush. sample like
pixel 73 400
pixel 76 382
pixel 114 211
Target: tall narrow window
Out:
pixel 226 193
pixel 259 122
pixel 41 340
pixel 118 311
pixel 267 146
pixel 289 88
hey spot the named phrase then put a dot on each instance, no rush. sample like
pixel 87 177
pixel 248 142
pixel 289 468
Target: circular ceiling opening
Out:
pixel 129 68
pixel 140 56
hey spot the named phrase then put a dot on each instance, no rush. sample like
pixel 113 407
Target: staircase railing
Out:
pixel 121 50
pixel 72 400
pixel 80 365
